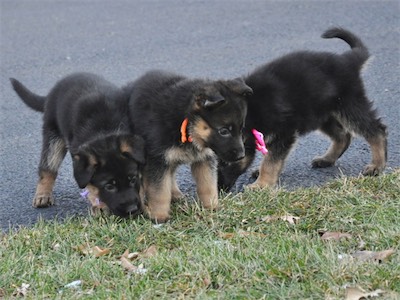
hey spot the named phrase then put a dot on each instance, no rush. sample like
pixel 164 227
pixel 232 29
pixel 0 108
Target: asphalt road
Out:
pixel 42 41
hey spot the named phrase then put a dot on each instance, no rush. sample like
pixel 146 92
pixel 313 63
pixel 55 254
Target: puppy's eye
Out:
pixel 225 132
pixel 111 186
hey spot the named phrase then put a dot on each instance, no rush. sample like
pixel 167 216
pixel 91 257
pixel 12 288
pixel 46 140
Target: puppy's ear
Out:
pixel 133 147
pixel 240 87
pixel 84 165
pixel 210 101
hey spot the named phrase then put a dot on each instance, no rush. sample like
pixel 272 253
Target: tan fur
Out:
pixel 378 163
pixel 125 147
pixel 200 132
pixel 206 181
pixel 158 198
pixel 44 190
pixel 176 155
pixel 56 154
pixel 333 153
pixel 268 174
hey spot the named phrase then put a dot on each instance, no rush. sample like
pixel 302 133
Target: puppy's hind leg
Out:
pixel 53 153
pixel 364 121
pixel 341 140
pixel 205 175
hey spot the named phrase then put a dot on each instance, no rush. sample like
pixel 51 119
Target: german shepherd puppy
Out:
pixel 186 121
pixel 88 115
pixel 305 91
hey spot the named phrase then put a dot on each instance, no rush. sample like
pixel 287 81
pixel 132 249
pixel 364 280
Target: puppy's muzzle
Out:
pixel 128 209
pixel 236 154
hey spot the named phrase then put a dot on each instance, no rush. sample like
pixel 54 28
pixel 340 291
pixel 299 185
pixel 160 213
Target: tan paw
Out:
pixel 177 195
pixel 210 205
pixel 372 170
pixel 43 200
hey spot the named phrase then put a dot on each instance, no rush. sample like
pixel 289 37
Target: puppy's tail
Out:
pixel 358 48
pixel 34 101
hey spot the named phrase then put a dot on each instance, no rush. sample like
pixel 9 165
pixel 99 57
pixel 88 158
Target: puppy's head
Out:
pixel 113 164
pixel 217 117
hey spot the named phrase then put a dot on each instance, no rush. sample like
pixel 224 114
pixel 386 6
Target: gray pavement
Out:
pixel 42 41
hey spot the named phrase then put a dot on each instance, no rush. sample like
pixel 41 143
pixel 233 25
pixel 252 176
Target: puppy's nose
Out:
pixel 131 209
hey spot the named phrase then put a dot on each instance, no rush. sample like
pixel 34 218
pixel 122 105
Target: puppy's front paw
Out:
pixel 157 217
pixel 43 200
pixel 321 162
pixel 210 205
pixel 177 195
pixel 372 170
pixel 253 186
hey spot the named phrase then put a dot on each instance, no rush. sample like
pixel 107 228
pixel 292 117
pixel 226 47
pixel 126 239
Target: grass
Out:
pixel 233 253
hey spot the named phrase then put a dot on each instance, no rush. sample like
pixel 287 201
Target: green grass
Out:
pixel 232 253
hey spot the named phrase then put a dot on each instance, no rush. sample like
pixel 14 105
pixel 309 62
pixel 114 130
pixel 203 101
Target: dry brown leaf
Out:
pixel 127 265
pixel 125 254
pixel 97 251
pixel 335 236
pixel 291 219
pixel 243 233
pixel 287 218
pixel 226 235
pixel 240 233
pixel 372 255
pixel 130 255
pixel 149 252
pixel 207 281
pixel 356 293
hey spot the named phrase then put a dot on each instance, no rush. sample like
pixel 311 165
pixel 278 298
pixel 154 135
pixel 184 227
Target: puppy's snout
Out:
pixel 130 209
pixel 238 153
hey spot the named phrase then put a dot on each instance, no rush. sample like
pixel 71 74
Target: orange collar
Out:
pixel 184 137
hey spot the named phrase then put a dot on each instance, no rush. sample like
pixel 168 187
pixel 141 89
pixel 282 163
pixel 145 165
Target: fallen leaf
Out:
pixel 243 233
pixel 207 281
pixel 97 251
pixel 22 290
pixel 356 293
pixel 127 265
pixel 226 235
pixel 335 236
pixel 288 218
pixel 149 252
pixel 240 233
pixel 372 255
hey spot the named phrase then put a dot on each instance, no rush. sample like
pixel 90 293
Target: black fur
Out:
pixel 88 115
pixel 305 91
pixel 215 110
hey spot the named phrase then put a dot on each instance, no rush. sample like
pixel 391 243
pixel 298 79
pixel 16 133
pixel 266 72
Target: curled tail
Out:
pixel 357 46
pixel 34 101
